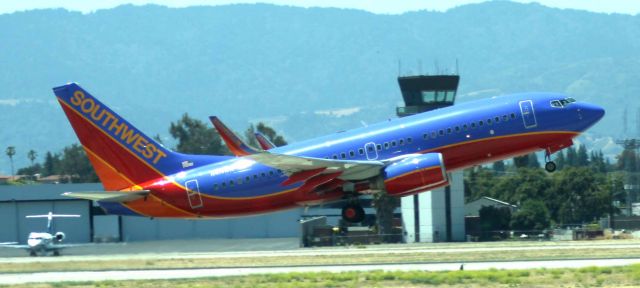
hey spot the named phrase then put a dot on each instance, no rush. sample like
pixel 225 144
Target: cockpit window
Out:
pixel 562 102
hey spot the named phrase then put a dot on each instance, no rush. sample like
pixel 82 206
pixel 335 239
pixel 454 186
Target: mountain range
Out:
pixel 304 71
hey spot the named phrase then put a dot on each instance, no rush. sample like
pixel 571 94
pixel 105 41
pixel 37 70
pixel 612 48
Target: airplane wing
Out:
pixel 263 141
pixel 14 245
pixel 234 143
pixel 108 196
pixel 303 168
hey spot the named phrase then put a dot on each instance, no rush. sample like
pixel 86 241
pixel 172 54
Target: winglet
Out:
pixel 263 141
pixel 234 143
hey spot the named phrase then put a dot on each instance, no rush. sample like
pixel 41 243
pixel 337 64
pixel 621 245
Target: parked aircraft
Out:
pixel 399 157
pixel 44 243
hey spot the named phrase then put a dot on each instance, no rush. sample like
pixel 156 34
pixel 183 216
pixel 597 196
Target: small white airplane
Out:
pixel 44 243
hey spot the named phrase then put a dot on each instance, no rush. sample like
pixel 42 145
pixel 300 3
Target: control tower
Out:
pixel 437 215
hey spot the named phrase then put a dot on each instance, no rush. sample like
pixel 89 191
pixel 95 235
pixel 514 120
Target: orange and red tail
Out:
pixel 122 155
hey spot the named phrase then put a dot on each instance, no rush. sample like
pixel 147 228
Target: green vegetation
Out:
pixel 579 193
pixel 584 277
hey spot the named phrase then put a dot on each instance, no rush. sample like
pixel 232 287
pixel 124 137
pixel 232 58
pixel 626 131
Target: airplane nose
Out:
pixel 591 113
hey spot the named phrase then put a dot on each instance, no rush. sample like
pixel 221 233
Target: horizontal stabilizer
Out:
pixel 108 196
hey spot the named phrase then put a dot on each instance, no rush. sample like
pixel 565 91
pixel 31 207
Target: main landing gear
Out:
pixel 352 213
pixel 550 166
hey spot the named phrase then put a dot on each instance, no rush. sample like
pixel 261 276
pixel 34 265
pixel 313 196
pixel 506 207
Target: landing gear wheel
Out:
pixel 550 166
pixel 353 213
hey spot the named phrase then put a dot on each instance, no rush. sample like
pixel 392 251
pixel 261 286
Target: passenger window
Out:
pixel 343 155
pixel 425 136
pixel 370 148
pixel 505 118
pixel 489 121
pixel 434 134
pixel 513 115
pixel 449 130
pixel 263 174
pixel 386 145
pixel 255 176
pixel 480 123
pixel 497 119
pixel 246 179
pixel 215 186
pixel 239 181
pixel 441 132
pixel 393 143
pixel 401 142
pixel 361 151
pixel 352 154
pixel 230 183
pixel 465 127
pixel 379 147
pixel 473 125
pixel 457 129
pixel 224 185
pixel 335 156
pixel 409 140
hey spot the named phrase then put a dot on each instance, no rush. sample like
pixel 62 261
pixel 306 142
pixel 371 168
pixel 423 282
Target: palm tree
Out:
pixel 32 156
pixel 11 150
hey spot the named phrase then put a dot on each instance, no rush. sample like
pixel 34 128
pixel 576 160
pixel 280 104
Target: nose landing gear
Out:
pixel 550 166
pixel 353 213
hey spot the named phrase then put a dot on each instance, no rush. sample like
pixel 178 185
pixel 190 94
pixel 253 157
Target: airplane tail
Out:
pixel 122 155
pixel 50 217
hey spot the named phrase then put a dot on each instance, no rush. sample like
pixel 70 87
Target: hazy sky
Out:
pixel 377 6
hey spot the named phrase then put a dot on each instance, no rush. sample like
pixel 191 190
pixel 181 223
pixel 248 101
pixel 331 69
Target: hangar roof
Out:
pixel 37 192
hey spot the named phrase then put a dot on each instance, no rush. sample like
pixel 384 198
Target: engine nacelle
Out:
pixel 59 236
pixel 415 174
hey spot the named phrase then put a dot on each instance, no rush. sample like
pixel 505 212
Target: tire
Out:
pixel 353 213
pixel 550 166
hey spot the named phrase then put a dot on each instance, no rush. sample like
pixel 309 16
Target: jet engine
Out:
pixel 59 236
pixel 415 174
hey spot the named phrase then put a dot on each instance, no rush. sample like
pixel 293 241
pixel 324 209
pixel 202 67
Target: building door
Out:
pixel 370 151
pixel 193 193
pixel 528 115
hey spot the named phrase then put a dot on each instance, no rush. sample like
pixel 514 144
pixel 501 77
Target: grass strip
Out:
pixel 364 258
pixel 583 277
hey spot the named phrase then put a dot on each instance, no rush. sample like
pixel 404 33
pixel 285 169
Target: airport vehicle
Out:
pixel 44 243
pixel 399 157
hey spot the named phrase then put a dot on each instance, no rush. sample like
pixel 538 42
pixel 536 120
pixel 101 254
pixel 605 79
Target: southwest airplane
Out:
pixel 399 157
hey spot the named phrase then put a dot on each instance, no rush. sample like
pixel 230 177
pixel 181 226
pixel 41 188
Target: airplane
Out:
pixel 44 243
pixel 399 157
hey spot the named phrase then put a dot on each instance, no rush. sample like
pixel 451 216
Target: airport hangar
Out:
pixel 439 217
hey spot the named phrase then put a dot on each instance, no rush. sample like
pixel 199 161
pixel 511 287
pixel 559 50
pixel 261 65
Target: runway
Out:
pixel 50 277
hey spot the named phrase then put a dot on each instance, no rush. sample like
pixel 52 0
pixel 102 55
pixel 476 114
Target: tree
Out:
pixel 11 150
pixel 521 161
pixel 75 164
pixel 32 155
pixel 560 160
pixel 498 166
pixel 578 196
pixel 582 158
pixel 533 161
pixel 195 137
pixel 493 219
pixel 51 164
pixel 533 215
